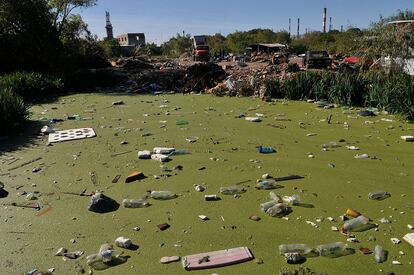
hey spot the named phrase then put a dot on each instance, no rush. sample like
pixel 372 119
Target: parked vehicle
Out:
pixel 201 50
pixel 317 59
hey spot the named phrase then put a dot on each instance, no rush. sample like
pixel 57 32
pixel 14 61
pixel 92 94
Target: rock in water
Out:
pixel 102 204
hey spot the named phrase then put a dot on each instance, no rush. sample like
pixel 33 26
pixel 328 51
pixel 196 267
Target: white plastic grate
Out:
pixel 71 134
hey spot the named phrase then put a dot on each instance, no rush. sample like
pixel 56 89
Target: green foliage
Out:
pixel 238 41
pixel 393 93
pixel 111 48
pixel 301 86
pixel 177 45
pixel 13 111
pixel 217 43
pixel 30 86
pixel 273 88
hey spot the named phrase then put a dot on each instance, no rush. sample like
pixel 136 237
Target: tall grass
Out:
pixel 30 86
pixel 13 111
pixel 273 88
pixel 393 93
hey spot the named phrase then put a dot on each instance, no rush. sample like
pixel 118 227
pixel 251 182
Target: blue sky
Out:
pixel 162 19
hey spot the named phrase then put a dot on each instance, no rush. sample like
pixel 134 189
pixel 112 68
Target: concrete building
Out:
pixel 131 39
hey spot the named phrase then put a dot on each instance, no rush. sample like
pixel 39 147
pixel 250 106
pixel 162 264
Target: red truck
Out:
pixel 201 50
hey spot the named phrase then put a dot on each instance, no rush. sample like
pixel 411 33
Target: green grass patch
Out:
pixel 13 111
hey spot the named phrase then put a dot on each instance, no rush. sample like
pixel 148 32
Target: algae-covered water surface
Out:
pixel 222 153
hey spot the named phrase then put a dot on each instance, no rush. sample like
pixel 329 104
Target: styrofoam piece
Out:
pixel 160 157
pixel 409 238
pixel 144 154
pixel 253 119
pixel 163 150
pixel 72 134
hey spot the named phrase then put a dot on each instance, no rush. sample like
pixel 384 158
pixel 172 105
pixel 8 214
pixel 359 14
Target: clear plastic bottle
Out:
pixel 163 195
pixel 135 203
pixel 275 197
pixel 354 224
pixel 380 254
pixel 277 210
pixel 293 200
pixel 265 206
pixel 265 150
pixel 105 255
pixel 265 185
pixel 232 190
pixel 331 249
pixel 378 195
pixel 294 248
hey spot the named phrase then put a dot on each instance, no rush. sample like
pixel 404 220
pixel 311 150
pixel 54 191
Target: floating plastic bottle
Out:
pixel 179 152
pixel 275 197
pixel 232 190
pixel 354 224
pixel 293 200
pixel 163 195
pixel 278 210
pixel 135 203
pixel 330 145
pixel 294 248
pixel 378 195
pixel 265 150
pixel 331 249
pixel 265 206
pixel 163 150
pixel 265 185
pixel 380 254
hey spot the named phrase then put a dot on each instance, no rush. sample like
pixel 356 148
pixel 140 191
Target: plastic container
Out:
pixel 103 258
pixel 330 145
pixel 265 185
pixel 135 203
pixel 277 210
pixel 294 248
pixel 163 195
pixel 163 150
pixel 380 254
pixel 293 200
pixel 179 152
pixel 232 190
pixel 275 197
pixel 378 195
pixel 160 157
pixel 354 224
pixel 123 242
pixel 331 249
pixel 265 206
pixel 265 150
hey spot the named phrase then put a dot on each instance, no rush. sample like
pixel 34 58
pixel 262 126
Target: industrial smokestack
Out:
pixel 290 26
pixel 330 23
pixel 324 20
pixel 298 27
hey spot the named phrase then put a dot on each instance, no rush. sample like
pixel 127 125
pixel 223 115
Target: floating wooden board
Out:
pixel 71 134
pixel 217 258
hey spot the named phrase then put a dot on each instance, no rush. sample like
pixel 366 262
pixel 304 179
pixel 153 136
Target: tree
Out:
pixel 62 9
pixel 177 45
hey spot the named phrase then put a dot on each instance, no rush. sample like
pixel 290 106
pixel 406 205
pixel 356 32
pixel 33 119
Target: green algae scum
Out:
pixel 222 152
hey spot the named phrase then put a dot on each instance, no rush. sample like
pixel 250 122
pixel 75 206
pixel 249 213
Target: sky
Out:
pixel 162 19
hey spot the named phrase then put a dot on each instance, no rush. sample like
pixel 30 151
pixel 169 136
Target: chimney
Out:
pixel 298 27
pixel 290 26
pixel 330 24
pixel 324 20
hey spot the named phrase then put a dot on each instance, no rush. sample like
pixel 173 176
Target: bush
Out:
pixel 13 111
pixel 30 86
pixel 301 86
pixel 273 88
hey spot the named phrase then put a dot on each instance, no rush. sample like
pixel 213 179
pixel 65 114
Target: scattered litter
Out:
pixel 352 213
pixel 294 258
pixel 199 187
pixel 163 195
pixel 366 113
pixel 395 241
pixel 163 226
pixel 380 254
pixel 46 130
pixel 352 148
pixel 134 177
pixel 116 178
pixel 212 198
pixel 253 119
pixel 163 150
pixel 135 203
pixel 217 258
pixel 255 218
pixel 169 259
pixel 365 250
pixel 407 138
pixel 102 204
pixel 363 156
pixel 265 150
pixel 123 242
pixel 232 190
pixel 410 226
pixel 409 238
pixel 378 195
pixel 160 157
pixel 118 102
pixel 72 134
pixel 396 263
pixel 203 217
pixel 290 177
pixel 192 139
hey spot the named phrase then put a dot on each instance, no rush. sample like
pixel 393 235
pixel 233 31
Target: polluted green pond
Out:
pixel 215 147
